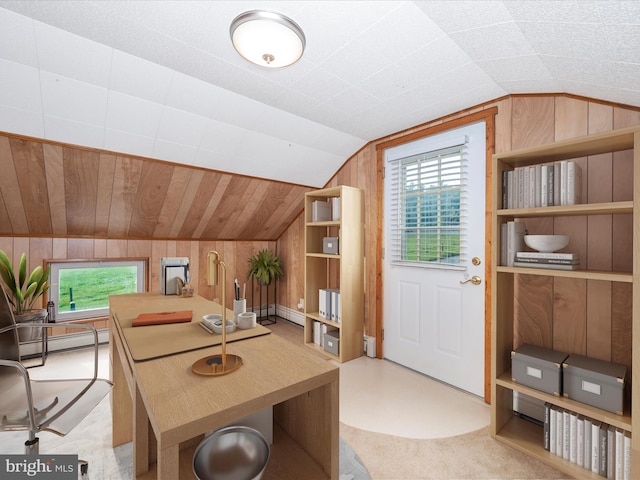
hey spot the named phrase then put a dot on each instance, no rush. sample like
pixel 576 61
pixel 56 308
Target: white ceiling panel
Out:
pixel 132 114
pixel 121 141
pixel 27 122
pixel 139 78
pixel 175 152
pixel 74 100
pixel 74 132
pixel 161 78
pixel 17 42
pixel 20 86
pixel 72 56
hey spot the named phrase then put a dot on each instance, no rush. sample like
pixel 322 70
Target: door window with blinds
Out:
pixel 428 207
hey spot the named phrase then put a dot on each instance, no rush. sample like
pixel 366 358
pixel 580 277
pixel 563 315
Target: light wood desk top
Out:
pixel 181 405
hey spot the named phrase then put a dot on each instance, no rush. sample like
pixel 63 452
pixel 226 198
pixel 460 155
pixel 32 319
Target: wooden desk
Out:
pixel 165 408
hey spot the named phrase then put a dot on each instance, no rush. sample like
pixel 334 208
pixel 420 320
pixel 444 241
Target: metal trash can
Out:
pixel 232 453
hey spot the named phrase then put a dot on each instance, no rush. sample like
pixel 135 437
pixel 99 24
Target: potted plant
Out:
pixel 265 266
pixel 23 292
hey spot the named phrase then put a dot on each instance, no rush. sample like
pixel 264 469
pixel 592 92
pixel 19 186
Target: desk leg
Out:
pixel 140 437
pixel 121 404
pixel 168 462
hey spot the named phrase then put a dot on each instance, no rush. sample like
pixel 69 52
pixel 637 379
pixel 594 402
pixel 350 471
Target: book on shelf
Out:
pixel 573 183
pixel 573 437
pixel 627 456
pixel 316 332
pixel 550 266
pixel 595 446
pixel 579 447
pixel 335 209
pixel 320 211
pixel 335 304
pixel 557 261
pixel 619 466
pixel 587 443
pixel 324 303
pixel 558 255
pixel 559 430
pixel 611 451
pixel 547 426
pixel 603 450
pixel 515 240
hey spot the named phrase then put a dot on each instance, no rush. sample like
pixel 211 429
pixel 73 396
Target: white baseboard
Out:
pixel 292 315
pixel 64 342
pixel 285 312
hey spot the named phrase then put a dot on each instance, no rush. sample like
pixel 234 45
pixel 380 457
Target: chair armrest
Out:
pixel 80 326
pixel 27 385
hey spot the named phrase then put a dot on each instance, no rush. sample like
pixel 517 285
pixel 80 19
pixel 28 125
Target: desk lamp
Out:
pixel 222 363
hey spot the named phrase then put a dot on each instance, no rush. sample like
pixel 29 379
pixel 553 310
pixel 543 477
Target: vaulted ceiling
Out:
pixel 160 79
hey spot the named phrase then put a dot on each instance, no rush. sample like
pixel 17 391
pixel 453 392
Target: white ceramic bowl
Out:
pixel 546 243
pixel 246 320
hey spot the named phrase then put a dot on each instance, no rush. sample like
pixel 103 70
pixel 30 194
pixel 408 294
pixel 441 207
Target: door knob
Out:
pixel 476 280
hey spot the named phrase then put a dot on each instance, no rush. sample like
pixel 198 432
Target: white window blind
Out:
pixel 428 207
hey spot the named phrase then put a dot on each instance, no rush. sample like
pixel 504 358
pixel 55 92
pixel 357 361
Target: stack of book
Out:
pixel 558 183
pixel 557 261
pixel 588 443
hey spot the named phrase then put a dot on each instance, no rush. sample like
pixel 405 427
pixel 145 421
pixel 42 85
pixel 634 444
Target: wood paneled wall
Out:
pixel 234 254
pixel 49 189
pixel 523 120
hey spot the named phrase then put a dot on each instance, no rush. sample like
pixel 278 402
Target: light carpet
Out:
pixel 473 456
pixel 91 441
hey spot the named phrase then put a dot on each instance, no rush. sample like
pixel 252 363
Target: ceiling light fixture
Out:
pixel 267 39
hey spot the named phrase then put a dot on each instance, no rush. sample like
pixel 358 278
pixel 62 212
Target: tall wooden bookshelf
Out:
pixel 598 289
pixel 343 271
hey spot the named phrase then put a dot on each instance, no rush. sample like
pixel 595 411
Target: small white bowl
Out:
pixel 246 320
pixel 546 243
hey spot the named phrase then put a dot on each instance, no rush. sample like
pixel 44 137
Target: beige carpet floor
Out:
pixel 473 456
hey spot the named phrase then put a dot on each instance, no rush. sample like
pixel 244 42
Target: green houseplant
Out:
pixel 23 292
pixel 265 266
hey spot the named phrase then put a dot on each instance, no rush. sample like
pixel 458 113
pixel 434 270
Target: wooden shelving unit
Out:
pixel 507 297
pixel 343 271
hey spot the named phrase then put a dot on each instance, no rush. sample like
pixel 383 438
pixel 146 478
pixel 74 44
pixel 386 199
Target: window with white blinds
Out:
pixel 428 205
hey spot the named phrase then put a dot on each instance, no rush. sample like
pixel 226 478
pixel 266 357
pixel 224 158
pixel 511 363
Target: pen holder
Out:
pixel 239 306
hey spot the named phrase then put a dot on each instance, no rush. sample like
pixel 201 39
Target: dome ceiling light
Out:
pixel 267 39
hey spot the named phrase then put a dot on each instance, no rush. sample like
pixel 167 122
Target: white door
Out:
pixel 433 323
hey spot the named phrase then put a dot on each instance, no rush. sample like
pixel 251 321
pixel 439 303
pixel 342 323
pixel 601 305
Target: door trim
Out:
pixel 488 116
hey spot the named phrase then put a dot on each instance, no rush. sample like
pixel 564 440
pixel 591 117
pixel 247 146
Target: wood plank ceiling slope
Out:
pixel 50 189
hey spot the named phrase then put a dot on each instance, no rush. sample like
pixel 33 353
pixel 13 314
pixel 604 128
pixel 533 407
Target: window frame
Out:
pixel 56 265
pixel 396 158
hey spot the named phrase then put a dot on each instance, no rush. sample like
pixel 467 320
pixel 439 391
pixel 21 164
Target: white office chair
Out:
pixel 55 405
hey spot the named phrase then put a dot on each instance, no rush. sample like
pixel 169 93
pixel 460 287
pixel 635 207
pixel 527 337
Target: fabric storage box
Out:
pixel 595 382
pixel 332 342
pixel 538 367
pixel 330 245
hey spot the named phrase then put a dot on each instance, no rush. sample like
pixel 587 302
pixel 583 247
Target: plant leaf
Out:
pixel 22 272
